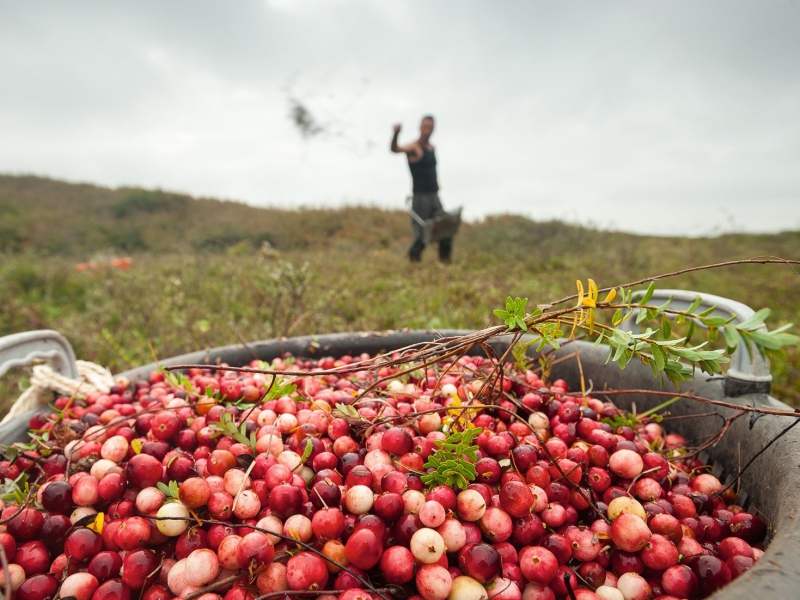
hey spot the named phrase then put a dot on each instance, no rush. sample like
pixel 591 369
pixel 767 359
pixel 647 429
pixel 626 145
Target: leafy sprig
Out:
pixel 227 426
pixel 170 490
pixel 15 491
pixel 177 380
pixel 514 314
pixel 670 358
pixel 453 463
pixel 279 388
pixel 346 411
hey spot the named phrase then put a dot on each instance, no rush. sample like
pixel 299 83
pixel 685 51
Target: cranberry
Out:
pixel 82 544
pixel 143 471
pixel 57 497
pixel 480 561
pixel 105 565
pixel 364 549
pixel 33 557
pixel 38 587
pixel 138 568
pixel 711 573
pixel 285 500
pixel 26 524
pixel 113 589
pixel 748 527
pixel 307 571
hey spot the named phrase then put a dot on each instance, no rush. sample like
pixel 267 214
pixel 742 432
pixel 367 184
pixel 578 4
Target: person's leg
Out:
pixel 418 205
pixel 415 251
pixel 445 249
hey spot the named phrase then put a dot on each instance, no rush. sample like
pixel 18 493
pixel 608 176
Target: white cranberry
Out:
pixel 466 588
pixel 427 546
pixel 358 499
pixel 175 525
pixel 470 505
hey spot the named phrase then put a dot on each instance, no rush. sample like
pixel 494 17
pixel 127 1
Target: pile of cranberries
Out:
pixel 313 501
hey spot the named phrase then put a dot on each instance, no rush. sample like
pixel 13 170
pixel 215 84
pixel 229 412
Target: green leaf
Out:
pixel 695 303
pixel 765 340
pixel 707 311
pixel 307 451
pixel 715 321
pixel 755 320
pixel 649 293
pixel 659 356
pixel 690 331
pixel 666 327
pixel 732 337
pixel 664 306
pixel 170 491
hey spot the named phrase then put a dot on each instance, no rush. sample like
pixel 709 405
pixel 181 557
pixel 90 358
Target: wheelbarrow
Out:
pixel 441 227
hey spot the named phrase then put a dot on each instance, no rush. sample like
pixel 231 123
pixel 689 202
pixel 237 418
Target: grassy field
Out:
pixel 197 279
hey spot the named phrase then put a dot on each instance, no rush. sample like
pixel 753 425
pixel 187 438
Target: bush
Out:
pixel 138 201
pixel 233 237
pixel 128 239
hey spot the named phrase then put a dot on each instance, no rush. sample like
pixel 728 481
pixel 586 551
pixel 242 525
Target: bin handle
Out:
pixel 743 367
pixel 413 214
pixel 23 349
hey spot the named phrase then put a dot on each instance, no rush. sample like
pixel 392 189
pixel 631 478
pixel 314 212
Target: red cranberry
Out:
pixel 26 524
pixel 711 572
pixel 38 587
pixel 33 557
pixel 285 500
pixel 480 561
pixel 138 568
pixel 143 471
pixel 82 544
pixel 748 527
pixel 105 565
pixel 113 589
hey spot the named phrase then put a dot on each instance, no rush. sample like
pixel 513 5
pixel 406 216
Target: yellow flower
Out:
pixel 97 524
pixel 590 302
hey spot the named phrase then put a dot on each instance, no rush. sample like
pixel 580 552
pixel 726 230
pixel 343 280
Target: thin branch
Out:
pixel 757 454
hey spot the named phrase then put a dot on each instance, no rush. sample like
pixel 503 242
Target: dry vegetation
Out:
pixel 197 279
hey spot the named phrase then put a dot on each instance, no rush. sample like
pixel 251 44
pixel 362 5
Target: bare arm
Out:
pixel 412 149
pixel 394 147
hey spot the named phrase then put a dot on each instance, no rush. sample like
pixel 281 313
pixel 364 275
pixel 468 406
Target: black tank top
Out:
pixel 423 173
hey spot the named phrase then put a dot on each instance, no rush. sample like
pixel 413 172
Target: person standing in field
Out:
pixel 425 186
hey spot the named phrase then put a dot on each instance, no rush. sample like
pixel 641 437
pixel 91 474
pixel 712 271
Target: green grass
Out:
pixel 182 295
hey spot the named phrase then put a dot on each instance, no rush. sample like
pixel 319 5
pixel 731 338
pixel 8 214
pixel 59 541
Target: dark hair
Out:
pixel 428 117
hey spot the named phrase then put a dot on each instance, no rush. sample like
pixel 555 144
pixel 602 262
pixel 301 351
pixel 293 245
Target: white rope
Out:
pixel 93 378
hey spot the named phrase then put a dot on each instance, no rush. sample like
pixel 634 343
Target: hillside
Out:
pixel 47 216
pixel 197 280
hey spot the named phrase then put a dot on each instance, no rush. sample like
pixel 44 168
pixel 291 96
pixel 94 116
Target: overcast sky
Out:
pixel 677 117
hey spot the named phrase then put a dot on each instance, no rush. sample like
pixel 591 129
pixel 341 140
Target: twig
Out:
pixel 759 261
pixel 757 454
pixel 242 342
pixel 212 586
pixel 753 409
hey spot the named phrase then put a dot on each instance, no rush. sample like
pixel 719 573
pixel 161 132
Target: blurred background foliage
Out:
pixel 206 273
